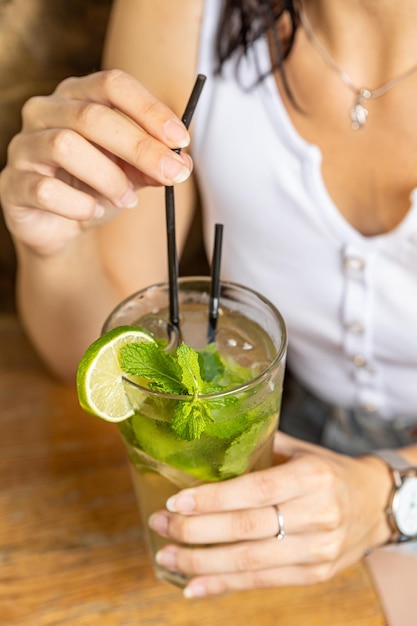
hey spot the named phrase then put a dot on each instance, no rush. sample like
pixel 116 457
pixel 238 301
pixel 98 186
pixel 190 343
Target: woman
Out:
pixel 312 178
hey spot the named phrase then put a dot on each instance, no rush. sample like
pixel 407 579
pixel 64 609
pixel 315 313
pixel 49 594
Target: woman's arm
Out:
pixel 83 155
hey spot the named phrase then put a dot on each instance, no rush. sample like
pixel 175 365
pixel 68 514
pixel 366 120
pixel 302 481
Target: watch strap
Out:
pixel 393 459
pixel 397 464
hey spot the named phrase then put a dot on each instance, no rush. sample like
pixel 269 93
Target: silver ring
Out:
pixel 281 527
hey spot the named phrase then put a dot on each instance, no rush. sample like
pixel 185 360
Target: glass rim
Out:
pixel 280 352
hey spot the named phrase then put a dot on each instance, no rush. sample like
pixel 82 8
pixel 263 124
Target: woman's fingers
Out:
pixel 48 195
pixel 114 111
pixel 47 230
pixel 82 154
pixel 217 528
pixel 112 132
pixel 202 586
pixel 124 93
pixel 250 556
pixel 298 477
pixel 311 514
pixel 268 563
pixel 64 149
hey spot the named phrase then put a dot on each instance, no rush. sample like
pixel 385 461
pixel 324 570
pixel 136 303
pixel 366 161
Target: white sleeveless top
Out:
pixel 349 301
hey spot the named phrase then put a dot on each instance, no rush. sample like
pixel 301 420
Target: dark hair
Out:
pixel 244 21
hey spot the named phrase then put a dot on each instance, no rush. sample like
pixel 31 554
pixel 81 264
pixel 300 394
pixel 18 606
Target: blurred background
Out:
pixel 41 42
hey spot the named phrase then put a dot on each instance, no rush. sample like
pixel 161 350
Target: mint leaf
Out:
pixel 230 428
pixel 190 369
pixel 190 419
pixel 151 362
pixel 235 375
pixel 237 456
pixel 215 369
pixel 211 363
pixel 180 373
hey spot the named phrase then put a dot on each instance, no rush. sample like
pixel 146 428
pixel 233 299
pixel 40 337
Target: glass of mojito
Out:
pixel 203 410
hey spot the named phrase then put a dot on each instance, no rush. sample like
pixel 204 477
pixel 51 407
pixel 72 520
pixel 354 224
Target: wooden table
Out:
pixel 71 544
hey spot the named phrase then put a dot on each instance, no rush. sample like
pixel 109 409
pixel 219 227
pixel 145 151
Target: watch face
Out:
pixel 405 507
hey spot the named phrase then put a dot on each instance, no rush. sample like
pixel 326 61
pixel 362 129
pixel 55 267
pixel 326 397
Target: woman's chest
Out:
pixel 370 177
pixel 369 173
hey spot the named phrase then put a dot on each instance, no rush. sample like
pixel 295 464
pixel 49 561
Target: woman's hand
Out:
pixel 81 155
pixel 332 507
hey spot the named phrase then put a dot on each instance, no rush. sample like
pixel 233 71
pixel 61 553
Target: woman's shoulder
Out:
pixel 157 42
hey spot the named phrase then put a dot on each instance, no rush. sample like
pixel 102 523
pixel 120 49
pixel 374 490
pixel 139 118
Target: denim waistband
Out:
pixel 351 431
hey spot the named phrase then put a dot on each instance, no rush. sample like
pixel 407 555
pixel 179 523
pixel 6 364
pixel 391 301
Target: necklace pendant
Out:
pixel 359 113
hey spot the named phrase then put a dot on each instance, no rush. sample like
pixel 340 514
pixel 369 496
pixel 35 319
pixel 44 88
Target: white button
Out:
pixel 369 407
pixel 357 328
pixel 354 264
pixel 359 360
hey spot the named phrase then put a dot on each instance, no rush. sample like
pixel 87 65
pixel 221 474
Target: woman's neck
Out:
pixel 372 40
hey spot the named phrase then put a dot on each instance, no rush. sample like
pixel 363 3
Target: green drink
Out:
pixel 233 428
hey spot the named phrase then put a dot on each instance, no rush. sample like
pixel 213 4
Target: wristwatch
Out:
pixel 402 504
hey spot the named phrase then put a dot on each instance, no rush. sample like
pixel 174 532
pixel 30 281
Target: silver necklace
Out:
pixel 359 112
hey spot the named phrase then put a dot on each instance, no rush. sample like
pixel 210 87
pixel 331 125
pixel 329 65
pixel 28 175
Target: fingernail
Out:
pixel 176 134
pixel 187 160
pixel 159 523
pixel 181 503
pixel 167 558
pixel 196 591
pixel 174 170
pixel 129 200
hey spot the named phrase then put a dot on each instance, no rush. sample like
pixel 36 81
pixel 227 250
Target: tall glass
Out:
pixel 251 338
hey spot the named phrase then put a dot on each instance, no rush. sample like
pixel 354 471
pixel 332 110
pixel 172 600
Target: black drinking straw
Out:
pixel 172 257
pixel 170 213
pixel 215 282
pixel 192 102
